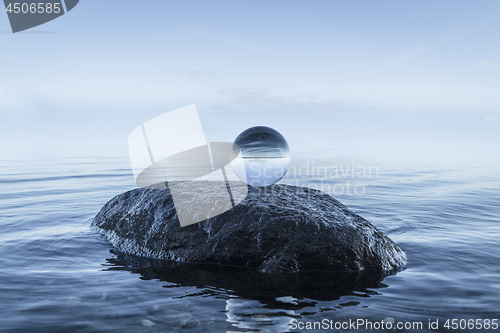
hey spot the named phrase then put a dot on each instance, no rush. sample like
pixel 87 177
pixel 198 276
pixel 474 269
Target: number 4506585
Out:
pixel 34 8
pixel 477 324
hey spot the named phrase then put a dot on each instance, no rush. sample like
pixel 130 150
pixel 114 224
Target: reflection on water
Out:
pixel 255 299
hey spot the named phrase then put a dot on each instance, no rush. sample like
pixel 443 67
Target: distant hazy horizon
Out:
pixel 388 80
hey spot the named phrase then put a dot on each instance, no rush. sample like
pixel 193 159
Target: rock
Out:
pixel 281 228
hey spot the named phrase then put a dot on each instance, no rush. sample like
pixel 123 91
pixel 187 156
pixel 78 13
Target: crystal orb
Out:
pixel 263 156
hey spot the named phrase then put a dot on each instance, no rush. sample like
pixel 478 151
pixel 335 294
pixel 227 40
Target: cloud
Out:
pixel 489 119
pixel 484 62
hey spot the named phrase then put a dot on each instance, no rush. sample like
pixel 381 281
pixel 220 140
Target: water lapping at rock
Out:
pixel 282 228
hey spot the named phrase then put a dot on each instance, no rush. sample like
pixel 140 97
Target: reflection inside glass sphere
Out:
pixel 263 157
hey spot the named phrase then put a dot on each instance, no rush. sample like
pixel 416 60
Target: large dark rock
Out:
pixel 275 229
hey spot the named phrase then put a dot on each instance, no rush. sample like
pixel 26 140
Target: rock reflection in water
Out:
pixel 247 291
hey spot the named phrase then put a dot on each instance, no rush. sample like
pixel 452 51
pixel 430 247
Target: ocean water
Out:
pixel 57 275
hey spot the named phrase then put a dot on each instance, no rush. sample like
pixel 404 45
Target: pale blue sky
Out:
pixel 412 80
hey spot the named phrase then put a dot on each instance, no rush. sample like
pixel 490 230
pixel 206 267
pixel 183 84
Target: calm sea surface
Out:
pixel 57 275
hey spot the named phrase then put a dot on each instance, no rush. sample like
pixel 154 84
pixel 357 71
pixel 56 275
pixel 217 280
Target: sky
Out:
pixel 407 81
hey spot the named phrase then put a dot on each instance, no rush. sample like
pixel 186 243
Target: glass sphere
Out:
pixel 263 157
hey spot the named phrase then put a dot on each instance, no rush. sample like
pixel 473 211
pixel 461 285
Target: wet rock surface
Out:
pixel 281 228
